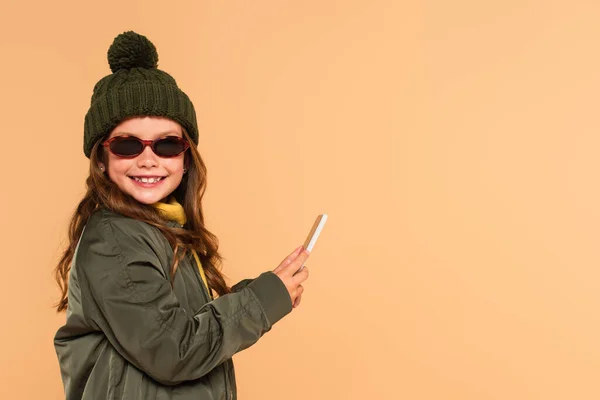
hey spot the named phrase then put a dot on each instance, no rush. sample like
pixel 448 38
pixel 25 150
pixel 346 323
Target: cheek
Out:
pixel 117 167
pixel 174 166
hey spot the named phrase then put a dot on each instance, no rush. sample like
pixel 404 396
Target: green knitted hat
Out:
pixel 135 88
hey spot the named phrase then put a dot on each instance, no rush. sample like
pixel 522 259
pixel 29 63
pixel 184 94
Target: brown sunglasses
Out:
pixel 131 146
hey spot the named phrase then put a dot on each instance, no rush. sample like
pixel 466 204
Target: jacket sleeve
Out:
pixel 132 302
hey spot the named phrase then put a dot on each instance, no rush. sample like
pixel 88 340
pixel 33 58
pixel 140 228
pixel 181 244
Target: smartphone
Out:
pixel 314 233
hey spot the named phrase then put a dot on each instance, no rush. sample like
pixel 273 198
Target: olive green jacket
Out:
pixel 130 334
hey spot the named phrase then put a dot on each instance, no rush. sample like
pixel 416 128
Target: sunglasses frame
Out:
pixel 146 143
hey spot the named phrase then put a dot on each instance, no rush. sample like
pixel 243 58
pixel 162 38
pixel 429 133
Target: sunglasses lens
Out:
pixel 169 147
pixel 126 146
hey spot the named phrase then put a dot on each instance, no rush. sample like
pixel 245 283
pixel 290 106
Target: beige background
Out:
pixel 454 145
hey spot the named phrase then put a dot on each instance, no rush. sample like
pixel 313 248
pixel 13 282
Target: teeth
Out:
pixel 147 180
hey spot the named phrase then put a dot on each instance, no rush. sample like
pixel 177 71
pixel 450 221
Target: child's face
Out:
pixel 123 171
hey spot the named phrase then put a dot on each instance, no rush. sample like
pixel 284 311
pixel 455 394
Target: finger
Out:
pixel 295 265
pixel 297 302
pixel 301 276
pixel 292 255
pixel 288 260
pixel 299 292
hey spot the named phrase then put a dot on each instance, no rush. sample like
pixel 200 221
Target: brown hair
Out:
pixel 102 192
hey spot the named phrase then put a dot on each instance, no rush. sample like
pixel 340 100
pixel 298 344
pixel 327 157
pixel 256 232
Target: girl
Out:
pixel 149 314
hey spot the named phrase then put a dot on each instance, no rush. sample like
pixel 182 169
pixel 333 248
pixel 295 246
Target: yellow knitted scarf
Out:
pixel 174 211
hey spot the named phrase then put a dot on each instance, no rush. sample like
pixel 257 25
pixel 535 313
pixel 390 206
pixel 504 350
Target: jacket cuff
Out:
pixel 272 295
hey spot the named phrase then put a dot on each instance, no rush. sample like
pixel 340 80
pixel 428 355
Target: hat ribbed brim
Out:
pixel 140 98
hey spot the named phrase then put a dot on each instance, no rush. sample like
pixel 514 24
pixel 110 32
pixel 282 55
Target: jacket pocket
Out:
pixel 116 373
pixel 147 388
pixel 134 387
pixel 125 382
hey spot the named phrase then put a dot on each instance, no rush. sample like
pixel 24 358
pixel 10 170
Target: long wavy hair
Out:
pixel 102 192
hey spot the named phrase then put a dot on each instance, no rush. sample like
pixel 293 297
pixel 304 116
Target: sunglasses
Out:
pixel 131 146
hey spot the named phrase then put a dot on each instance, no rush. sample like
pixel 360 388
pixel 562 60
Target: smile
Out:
pixel 147 179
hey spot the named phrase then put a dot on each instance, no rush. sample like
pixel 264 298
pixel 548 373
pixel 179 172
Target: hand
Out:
pixel 288 272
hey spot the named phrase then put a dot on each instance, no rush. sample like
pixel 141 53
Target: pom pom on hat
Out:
pixel 132 50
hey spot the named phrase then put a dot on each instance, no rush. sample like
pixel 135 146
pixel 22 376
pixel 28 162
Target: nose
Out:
pixel 147 159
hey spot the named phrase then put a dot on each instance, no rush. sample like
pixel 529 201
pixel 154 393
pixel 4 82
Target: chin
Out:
pixel 149 200
pixel 148 196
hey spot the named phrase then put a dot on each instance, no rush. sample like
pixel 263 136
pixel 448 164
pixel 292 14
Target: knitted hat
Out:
pixel 135 88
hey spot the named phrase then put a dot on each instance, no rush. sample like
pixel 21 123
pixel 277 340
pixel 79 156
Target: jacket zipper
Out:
pixel 199 278
pixel 225 378
pixel 228 394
